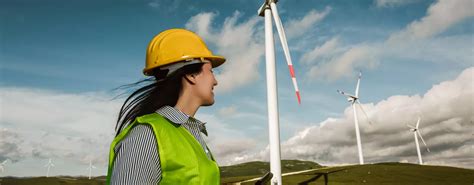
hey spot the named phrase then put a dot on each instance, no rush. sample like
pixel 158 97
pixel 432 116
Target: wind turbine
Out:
pixel 269 10
pixel 49 165
pixel 90 168
pixel 2 165
pixel 416 131
pixel 354 100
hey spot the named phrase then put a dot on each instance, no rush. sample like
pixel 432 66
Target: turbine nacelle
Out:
pixel 350 98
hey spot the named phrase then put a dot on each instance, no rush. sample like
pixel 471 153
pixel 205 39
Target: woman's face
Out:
pixel 205 82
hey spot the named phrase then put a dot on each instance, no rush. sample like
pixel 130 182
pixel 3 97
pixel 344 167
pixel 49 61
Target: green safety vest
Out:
pixel 182 159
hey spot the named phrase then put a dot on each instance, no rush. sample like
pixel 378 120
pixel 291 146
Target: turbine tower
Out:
pixel 269 10
pixel 416 131
pixel 49 165
pixel 90 168
pixel 354 100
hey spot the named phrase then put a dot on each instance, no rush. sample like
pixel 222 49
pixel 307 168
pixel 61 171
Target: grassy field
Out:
pixel 389 174
pixel 252 169
pixel 369 174
pixel 383 174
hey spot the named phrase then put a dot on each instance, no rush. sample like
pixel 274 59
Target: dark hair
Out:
pixel 159 92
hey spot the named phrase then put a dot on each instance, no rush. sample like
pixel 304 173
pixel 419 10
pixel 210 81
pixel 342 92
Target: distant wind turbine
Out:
pixel 90 168
pixel 354 99
pixel 2 165
pixel 49 165
pixel 416 131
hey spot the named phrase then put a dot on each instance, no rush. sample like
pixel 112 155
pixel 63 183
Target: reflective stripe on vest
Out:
pixel 182 159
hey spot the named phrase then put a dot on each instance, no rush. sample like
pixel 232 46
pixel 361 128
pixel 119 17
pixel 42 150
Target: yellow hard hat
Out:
pixel 177 45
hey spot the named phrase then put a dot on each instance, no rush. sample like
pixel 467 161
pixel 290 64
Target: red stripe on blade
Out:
pixel 299 98
pixel 292 71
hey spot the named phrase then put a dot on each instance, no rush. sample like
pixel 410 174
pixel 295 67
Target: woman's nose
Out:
pixel 215 81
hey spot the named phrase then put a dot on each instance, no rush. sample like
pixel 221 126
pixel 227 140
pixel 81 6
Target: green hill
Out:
pixel 256 169
pixel 380 174
pixel 369 174
pixel 260 168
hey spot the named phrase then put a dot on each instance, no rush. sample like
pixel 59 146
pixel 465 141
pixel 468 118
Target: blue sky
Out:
pixel 60 62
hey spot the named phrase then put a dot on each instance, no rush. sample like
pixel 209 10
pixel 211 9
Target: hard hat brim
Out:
pixel 216 61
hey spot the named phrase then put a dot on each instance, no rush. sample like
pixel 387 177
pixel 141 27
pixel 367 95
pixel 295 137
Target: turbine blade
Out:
pixel 358 83
pixel 410 126
pixel 427 149
pixel 344 93
pixel 362 108
pixel 341 92
pixel 284 43
pixel 418 122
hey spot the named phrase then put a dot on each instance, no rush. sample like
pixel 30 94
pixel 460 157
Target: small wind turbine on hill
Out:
pixel 354 100
pixel 49 165
pixel 2 165
pixel 90 168
pixel 416 131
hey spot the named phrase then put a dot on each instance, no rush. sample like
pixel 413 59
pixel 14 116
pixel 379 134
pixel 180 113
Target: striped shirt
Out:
pixel 137 157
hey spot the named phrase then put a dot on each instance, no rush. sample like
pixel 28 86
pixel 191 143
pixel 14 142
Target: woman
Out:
pixel 158 139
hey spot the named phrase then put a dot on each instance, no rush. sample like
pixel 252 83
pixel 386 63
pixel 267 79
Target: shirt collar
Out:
pixel 178 117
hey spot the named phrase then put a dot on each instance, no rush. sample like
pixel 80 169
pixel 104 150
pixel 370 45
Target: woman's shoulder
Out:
pixel 147 118
pixel 155 120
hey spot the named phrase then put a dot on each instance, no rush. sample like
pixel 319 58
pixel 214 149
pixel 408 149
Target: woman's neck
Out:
pixel 187 105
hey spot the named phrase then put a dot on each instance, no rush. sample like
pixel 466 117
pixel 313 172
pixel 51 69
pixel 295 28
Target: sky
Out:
pixel 62 61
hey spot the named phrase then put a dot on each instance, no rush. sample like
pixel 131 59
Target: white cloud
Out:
pixel 201 24
pixel 74 128
pixel 241 43
pixel 227 111
pixel 9 145
pixel 392 3
pixel 446 111
pixel 40 124
pixel 455 50
pixel 319 52
pixel 416 42
pixel 165 5
pixel 297 27
pixel 227 144
pixel 440 16
pixel 343 65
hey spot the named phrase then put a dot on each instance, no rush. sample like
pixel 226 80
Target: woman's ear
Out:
pixel 191 78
